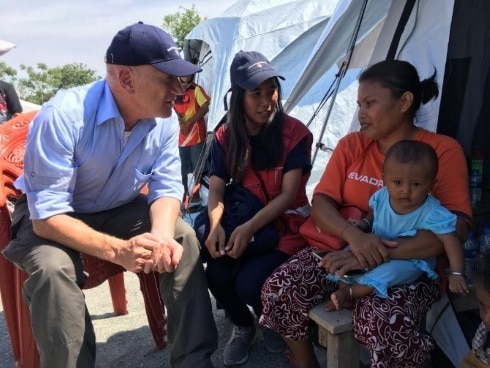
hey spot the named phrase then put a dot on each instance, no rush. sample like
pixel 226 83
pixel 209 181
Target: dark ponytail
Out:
pixel 429 88
pixel 400 76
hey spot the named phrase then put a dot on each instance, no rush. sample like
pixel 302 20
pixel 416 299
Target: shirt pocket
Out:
pixel 140 179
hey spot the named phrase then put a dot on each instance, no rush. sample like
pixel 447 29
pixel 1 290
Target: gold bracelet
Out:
pixel 342 231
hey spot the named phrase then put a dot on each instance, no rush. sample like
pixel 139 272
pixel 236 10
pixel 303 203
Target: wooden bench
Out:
pixel 335 331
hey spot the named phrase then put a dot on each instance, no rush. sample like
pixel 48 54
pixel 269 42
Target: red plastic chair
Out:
pixel 13 136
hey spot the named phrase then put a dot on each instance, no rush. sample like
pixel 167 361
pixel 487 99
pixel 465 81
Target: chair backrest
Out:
pixel 13 137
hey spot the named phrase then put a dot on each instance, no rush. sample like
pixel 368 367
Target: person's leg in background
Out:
pixel 185 169
pixel 195 154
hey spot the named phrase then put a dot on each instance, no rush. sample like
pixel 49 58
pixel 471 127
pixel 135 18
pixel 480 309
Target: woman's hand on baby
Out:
pixel 340 261
pixel 370 250
pixel 360 224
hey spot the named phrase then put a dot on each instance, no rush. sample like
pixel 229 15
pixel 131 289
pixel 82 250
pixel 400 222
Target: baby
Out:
pixel 401 208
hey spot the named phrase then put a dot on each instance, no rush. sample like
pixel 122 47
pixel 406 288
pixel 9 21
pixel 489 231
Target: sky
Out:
pixel 57 32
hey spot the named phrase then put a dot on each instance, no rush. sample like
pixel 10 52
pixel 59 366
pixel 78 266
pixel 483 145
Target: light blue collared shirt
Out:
pixel 75 160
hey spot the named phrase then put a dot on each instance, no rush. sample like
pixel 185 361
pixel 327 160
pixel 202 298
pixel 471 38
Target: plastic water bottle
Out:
pixel 476 180
pixel 470 248
pixel 484 240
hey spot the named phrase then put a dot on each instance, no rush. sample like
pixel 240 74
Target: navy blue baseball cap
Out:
pixel 249 69
pixel 144 44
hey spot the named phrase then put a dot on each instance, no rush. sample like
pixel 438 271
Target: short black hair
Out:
pixel 410 151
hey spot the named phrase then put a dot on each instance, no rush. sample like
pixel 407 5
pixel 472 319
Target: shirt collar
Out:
pixel 107 108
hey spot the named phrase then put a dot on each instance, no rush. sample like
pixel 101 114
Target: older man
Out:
pixel 89 152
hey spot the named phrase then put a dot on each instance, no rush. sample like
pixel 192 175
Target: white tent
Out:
pixel 271 26
pixel 307 40
pixel 5 46
pixel 286 32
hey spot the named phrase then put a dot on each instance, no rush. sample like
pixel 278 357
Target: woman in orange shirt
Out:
pixel 390 93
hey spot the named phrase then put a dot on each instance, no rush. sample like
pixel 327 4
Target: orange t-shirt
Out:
pixel 354 172
pixel 187 106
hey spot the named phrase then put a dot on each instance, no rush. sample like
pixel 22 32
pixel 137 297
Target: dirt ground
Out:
pixel 126 341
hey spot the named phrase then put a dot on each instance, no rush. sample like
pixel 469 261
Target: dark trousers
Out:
pixel 237 283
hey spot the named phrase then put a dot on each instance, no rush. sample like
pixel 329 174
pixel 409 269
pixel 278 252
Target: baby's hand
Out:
pixel 457 284
pixel 361 224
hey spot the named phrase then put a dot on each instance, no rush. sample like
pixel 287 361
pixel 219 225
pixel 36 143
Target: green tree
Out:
pixel 42 82
pixel 7 71
pixel 181 23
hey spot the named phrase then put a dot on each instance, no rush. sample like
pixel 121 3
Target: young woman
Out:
pixel 389 94
pixel 267 152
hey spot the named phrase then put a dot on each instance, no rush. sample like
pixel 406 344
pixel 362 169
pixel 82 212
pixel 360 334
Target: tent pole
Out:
pixel 330 107
pixel 340 75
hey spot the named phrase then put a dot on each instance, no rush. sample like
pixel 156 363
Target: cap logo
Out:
pixel 173 49
pixel 258 64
